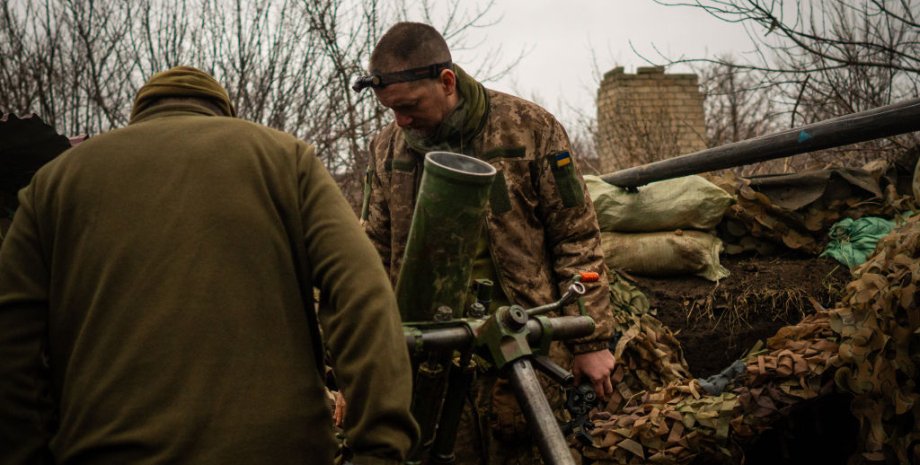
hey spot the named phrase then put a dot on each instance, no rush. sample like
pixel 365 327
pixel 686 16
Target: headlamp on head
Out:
pixel 381 80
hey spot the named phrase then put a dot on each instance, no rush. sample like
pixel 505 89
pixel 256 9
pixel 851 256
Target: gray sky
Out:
pixel 569 40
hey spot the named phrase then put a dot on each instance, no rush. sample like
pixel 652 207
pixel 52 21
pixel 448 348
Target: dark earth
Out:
pixel 718 323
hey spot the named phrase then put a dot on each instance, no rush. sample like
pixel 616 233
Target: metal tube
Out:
pixel 554 372
pixel 544 309
pixel 563 328
pixel 460 337
pixel 458 386
pixel 446 226
pixel 538 413
pixel 889 120
pixel 430 383
pixel 439 339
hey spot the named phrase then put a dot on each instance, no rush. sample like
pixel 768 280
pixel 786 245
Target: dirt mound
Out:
pixel 717 323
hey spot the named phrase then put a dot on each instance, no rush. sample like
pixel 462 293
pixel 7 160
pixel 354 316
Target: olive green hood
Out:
pixel 182 81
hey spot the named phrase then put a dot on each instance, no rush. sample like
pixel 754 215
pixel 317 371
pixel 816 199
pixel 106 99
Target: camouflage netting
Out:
pixel 669 425
pixel 647 353
pixel 878 321
pixel 792 368
pixel 868 347
pixel 760 223
pixel 680 422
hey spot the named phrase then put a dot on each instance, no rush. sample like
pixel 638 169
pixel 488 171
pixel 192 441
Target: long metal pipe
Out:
pixel 889 120
pixel 538 413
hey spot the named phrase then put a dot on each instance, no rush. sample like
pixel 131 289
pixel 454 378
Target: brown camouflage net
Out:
pixel 647 353
pixel 754 223
pixel 669 425
pixel 878 321
pixel 648 356
pixel 863 347
pixel 676 424
pixel 758 223
pixel 795 366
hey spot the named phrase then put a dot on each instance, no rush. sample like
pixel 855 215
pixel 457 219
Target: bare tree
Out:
pixel 285 63
pixel 456 21
pixel 826 58
pixel 739 104
pixel 59 58
pixel 641 132
pixel 582 130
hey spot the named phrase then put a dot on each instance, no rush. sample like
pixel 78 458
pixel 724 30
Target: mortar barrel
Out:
pixel 446 227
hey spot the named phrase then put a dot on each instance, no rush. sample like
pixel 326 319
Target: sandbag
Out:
pixel 671 253
pixel 689 202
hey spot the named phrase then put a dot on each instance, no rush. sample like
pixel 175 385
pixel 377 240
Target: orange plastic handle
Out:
pixel 589 276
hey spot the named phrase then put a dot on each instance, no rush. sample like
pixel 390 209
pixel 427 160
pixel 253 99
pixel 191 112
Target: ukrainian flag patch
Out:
pixel 568 183
pixel 562 159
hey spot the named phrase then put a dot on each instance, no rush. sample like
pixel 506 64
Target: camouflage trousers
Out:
pixel 493 430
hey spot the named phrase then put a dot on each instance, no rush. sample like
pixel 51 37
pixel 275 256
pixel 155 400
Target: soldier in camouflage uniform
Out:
pixel 541 226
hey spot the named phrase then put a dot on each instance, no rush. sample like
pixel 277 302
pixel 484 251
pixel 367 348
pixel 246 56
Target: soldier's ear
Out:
pixel 448 81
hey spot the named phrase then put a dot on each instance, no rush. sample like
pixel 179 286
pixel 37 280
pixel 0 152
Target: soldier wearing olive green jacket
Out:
pixel 156 299
pixel 541 228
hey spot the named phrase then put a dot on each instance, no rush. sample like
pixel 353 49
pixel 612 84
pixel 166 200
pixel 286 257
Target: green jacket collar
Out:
pixel 162 110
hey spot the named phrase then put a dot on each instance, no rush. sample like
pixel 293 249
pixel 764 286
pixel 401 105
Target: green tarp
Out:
pixel 853 241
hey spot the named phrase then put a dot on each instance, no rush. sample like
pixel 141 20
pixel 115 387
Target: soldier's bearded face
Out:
pixel 418 106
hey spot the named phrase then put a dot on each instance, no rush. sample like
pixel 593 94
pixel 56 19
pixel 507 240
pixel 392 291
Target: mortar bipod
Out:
pixel 508 340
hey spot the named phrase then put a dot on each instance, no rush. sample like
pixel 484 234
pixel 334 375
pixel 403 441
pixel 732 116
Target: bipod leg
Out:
pixel 427 396
pixel 538 413
pixel 553 371
pixel 458 386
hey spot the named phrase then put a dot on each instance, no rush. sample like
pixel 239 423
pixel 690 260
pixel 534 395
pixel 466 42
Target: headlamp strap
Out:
pixel 380 80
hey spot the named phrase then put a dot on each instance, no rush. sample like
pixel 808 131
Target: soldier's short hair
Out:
pixel 408 45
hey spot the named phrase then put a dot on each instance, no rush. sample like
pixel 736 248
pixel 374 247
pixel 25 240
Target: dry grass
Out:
pixel 732 308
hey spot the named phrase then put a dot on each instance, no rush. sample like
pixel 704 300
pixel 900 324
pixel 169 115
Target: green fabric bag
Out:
pixel 690 202
pixel 853 241
pixel 664 253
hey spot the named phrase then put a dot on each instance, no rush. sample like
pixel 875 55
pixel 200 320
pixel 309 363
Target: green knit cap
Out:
pixel 182 81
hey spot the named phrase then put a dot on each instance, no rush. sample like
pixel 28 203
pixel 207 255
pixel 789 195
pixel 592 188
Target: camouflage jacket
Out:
pixel 542 227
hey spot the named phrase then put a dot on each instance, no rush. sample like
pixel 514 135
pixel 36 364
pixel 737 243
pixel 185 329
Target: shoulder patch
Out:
pixel 567 183
pixel 560 160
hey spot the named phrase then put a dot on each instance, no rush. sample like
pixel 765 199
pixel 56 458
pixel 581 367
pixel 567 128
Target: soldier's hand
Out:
pixel 597 367
pixel 340 407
